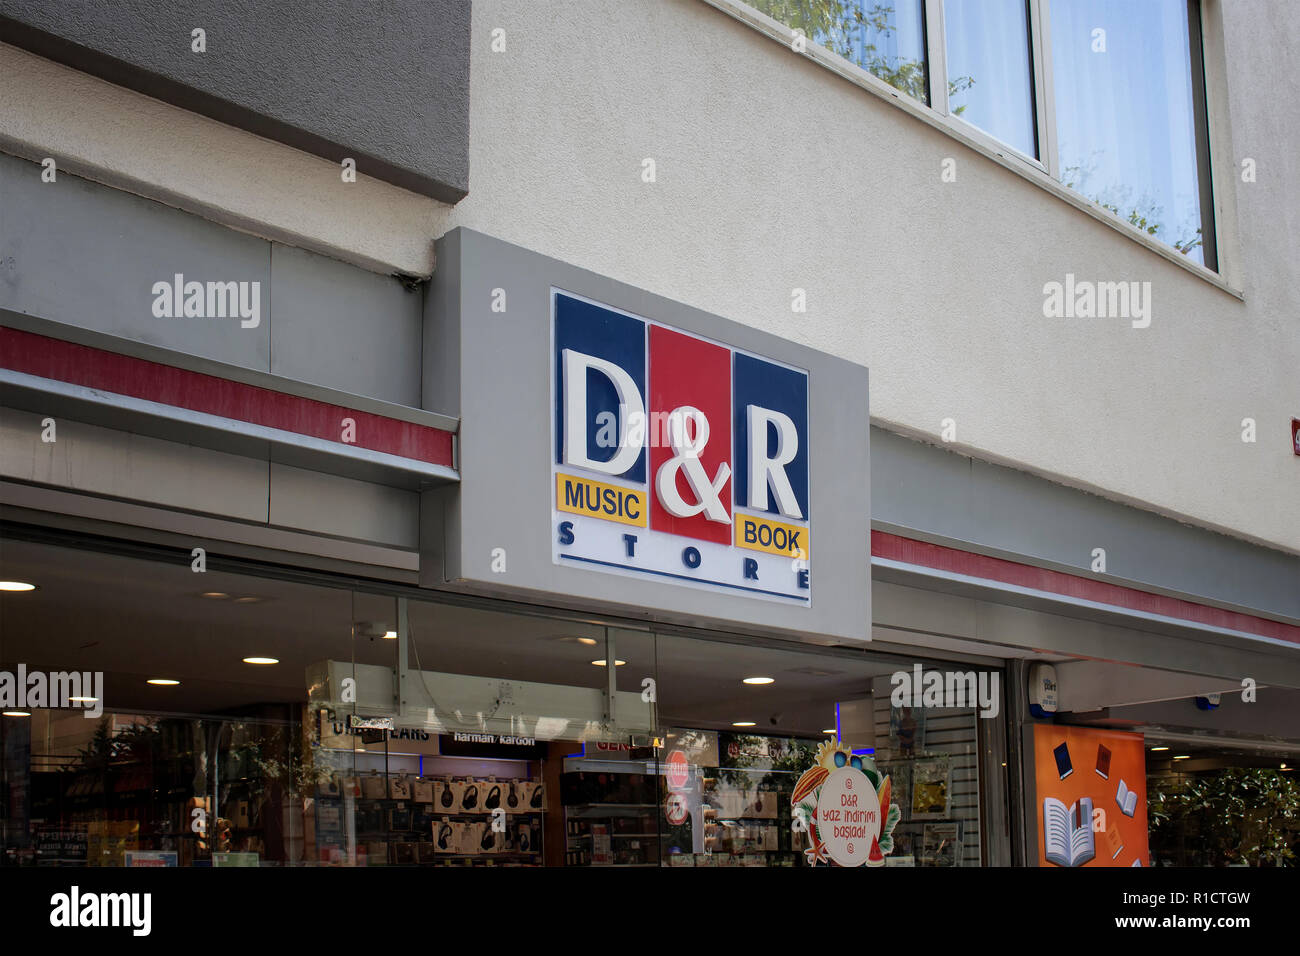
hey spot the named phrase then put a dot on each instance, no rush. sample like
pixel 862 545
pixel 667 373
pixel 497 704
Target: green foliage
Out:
pixel 848 29
pixel 1238 816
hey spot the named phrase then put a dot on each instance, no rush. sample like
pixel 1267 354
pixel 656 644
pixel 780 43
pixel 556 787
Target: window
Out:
pixel 1106 96
pixel 886 39
pixel 989 72
pixel 1127 114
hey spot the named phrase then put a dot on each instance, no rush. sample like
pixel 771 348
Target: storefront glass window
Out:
pixel 224 719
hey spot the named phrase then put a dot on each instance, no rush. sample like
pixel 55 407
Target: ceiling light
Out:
pixel 215 595
pixel 572 639
pixel 247 599
pixel 742 723
pixel 162 681
pixel 16 586
pixel 1183 757
pixel 601 663
pixel 390 635
pixel 831 731
pixel 84 700
pixel 261 660
pixel 758 680
pixel 17 713
pixel 1158 748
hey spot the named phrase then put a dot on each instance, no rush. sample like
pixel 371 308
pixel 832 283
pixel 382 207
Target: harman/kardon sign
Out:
pixel 676 456
pixel 465 737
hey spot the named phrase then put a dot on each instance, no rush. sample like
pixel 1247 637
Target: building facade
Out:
pixel 416 427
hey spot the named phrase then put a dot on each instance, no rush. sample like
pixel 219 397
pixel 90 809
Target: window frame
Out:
pixel 1210 126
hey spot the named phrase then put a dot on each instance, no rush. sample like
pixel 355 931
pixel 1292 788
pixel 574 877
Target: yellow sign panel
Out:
pixel 582 496
pixel 773 537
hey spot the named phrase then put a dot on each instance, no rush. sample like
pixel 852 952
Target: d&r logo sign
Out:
pixel 676 456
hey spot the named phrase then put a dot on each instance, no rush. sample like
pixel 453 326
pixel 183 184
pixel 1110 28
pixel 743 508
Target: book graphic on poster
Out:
pixel 1114 842
pixel 1063 765
pixel 941 844
pixel 1126 798
pixel 1103 761
pixel 1067 833
pixel 930 789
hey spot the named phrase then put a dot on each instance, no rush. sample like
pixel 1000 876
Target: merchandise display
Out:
pixel 423 821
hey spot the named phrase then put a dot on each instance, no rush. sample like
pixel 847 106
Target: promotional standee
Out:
pixel 1091 801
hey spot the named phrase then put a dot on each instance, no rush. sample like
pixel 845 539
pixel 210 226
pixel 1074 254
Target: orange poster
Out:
pixel 1091 800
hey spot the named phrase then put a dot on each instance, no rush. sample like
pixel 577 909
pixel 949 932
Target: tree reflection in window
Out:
pixel 885 39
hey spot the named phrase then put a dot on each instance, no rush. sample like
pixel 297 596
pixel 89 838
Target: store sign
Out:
pixel 675 809
pixel 504 740
pixel 677 769
pixel 370 723
pixel 677 457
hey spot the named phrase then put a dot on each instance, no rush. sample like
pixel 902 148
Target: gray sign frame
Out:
pixel 492 369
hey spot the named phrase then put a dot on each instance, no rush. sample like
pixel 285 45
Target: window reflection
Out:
pixel 1125 113
pixel 990 78
pixel 885 39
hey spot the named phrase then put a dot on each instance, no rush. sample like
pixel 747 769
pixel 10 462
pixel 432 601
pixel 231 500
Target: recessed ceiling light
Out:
pixel 758 680
pixel 742 723
pixel 1183 757
pixel 17 713
pixel 601 663
pixel 16 586
pixel 248 599
pixel 162 681
pixel 215 595
pixel 390 635
pixel 1159 748
pixel 831 731
pixel 84 700
pixel 261 660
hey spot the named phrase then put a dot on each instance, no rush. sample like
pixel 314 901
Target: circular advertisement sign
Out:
pixel 848 816
pixel 678 770
pixel 675 810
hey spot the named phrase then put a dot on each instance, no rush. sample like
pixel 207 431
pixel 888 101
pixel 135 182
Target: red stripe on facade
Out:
pixel 180 388
pixel 923 554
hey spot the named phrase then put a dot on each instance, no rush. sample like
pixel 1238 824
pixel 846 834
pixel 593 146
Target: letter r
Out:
pixel 769 473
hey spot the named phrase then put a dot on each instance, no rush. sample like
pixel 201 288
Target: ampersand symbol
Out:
pixel 686 459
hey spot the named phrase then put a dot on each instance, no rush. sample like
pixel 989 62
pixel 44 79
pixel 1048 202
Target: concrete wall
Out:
pixel 384 82
pixel 127 467
pixel 774 174
pixel 79 254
